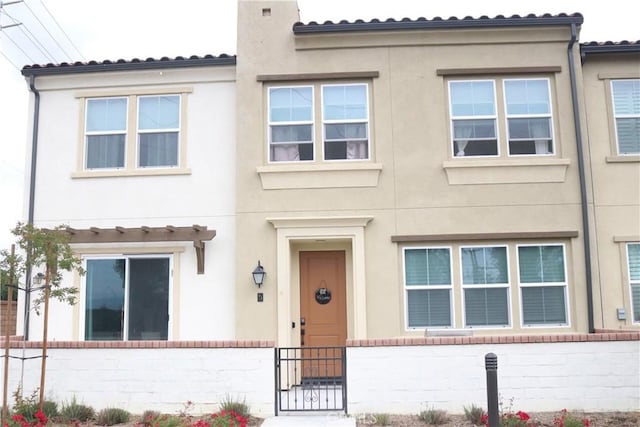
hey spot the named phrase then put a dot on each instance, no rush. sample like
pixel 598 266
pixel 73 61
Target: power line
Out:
pixel 62 30
pixel 10 61
pixel 48 32
pixel 16 45
pixel 32 38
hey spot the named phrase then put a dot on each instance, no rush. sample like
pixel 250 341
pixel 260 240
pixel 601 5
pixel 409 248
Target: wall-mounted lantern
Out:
pixel 258 275
pixel 38 279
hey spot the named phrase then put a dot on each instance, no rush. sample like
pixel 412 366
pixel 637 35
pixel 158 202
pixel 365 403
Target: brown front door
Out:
pixel 323 312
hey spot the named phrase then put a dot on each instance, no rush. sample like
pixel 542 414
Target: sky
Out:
pixel 80 30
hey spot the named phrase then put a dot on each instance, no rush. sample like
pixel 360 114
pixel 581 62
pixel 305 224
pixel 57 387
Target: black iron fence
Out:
pixel 310 379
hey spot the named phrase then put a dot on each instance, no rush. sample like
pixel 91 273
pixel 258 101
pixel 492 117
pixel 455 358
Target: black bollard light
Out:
pixel 491 365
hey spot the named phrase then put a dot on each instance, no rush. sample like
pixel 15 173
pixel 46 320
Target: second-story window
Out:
pixel 626 108
pixel 132 132
pixel 290 124
pixel 473 115
pixel 528 112
pixel 345 116
pixel 158 130
pixel 484 112
pixel 298 117
pixel 106 132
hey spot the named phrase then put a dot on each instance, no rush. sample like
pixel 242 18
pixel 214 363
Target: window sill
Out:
pixel 334 175
pixel 511 171
pixel 130 172
pixel 623 159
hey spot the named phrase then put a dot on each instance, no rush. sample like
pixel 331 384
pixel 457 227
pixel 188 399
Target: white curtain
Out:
pixel 462 131
pixel 540 129
pixel 357 150
pixel 285 153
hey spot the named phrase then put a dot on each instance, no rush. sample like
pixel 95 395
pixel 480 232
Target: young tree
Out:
pixel 46 249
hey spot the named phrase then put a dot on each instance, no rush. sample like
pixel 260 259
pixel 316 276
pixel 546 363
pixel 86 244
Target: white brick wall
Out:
pixel 591 376
pixel 160 379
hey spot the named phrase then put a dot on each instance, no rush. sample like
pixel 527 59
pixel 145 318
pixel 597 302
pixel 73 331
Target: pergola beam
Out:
pixel 197 234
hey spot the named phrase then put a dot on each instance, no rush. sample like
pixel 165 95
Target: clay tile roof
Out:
pixel 437 23
pixel 133 64
pixel 623 46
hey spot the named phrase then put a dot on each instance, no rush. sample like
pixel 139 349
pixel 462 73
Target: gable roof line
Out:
pixel 623 46
pixel 437 23
pixel 124 65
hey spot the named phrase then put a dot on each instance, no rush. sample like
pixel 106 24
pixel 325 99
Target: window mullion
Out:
pixel 125 323
pixel 131 141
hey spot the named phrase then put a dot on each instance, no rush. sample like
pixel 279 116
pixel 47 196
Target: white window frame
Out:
pixel 528 116
pixel 177 130
pixel 632 283
pixel 326 121
pixel 311 122
pixel 493 117
pixel 125 326
pixel 617 116
pixel 88 133
pixel 450 287
pixel 506 286
pixel 564 285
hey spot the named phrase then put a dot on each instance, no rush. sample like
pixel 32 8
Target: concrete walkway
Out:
pixel 319 420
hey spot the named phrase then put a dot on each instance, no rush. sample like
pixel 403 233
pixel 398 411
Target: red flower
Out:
pixel 523 415
pixel 41 417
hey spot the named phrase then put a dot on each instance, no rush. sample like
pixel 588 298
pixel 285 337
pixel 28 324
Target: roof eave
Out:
pixel 126 66
pixel 587 50
pixel 330 27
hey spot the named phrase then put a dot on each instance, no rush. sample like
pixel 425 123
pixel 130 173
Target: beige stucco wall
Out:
pixel 616 188
pixel 416 187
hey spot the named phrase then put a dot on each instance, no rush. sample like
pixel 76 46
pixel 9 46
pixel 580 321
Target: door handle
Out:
pixel 302 332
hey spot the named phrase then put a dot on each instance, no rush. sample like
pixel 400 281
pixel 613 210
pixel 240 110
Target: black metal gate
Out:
pixel 310 379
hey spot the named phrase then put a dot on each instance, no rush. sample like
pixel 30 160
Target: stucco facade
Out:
pixel 198 189
pixel 413 190
pixel 616 184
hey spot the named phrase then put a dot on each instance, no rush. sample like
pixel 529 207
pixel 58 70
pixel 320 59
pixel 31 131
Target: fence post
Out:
pixel 491 366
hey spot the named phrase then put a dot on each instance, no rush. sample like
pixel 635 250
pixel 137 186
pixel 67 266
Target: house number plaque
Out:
pixel 323 295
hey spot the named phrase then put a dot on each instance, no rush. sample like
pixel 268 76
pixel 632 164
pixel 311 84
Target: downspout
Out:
pixel 32 194
pixel 582 176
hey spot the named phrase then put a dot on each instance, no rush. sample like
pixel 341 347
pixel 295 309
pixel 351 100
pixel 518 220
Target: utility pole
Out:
pixel 8 3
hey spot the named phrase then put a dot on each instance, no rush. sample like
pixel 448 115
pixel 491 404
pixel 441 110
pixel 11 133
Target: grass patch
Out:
pixel 74 411
pixel 112 416
pixel 473 414
pixel 382 419
pixel 240 407
pixel 434 417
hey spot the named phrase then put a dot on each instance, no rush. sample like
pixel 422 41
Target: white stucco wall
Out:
pixel 204 194
pixel 590 376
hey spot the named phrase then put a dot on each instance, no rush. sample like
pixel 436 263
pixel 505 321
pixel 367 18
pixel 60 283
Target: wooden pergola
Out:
pixel 198 234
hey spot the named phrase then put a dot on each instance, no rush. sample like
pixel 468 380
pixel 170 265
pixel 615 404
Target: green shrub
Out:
pixel 239 407
pixel 473 414
pixel 28 406
pixel 170 421
pixel 148 417
pixel 382 419
pixel 433 416
pixel 74 411
pixel 112 416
